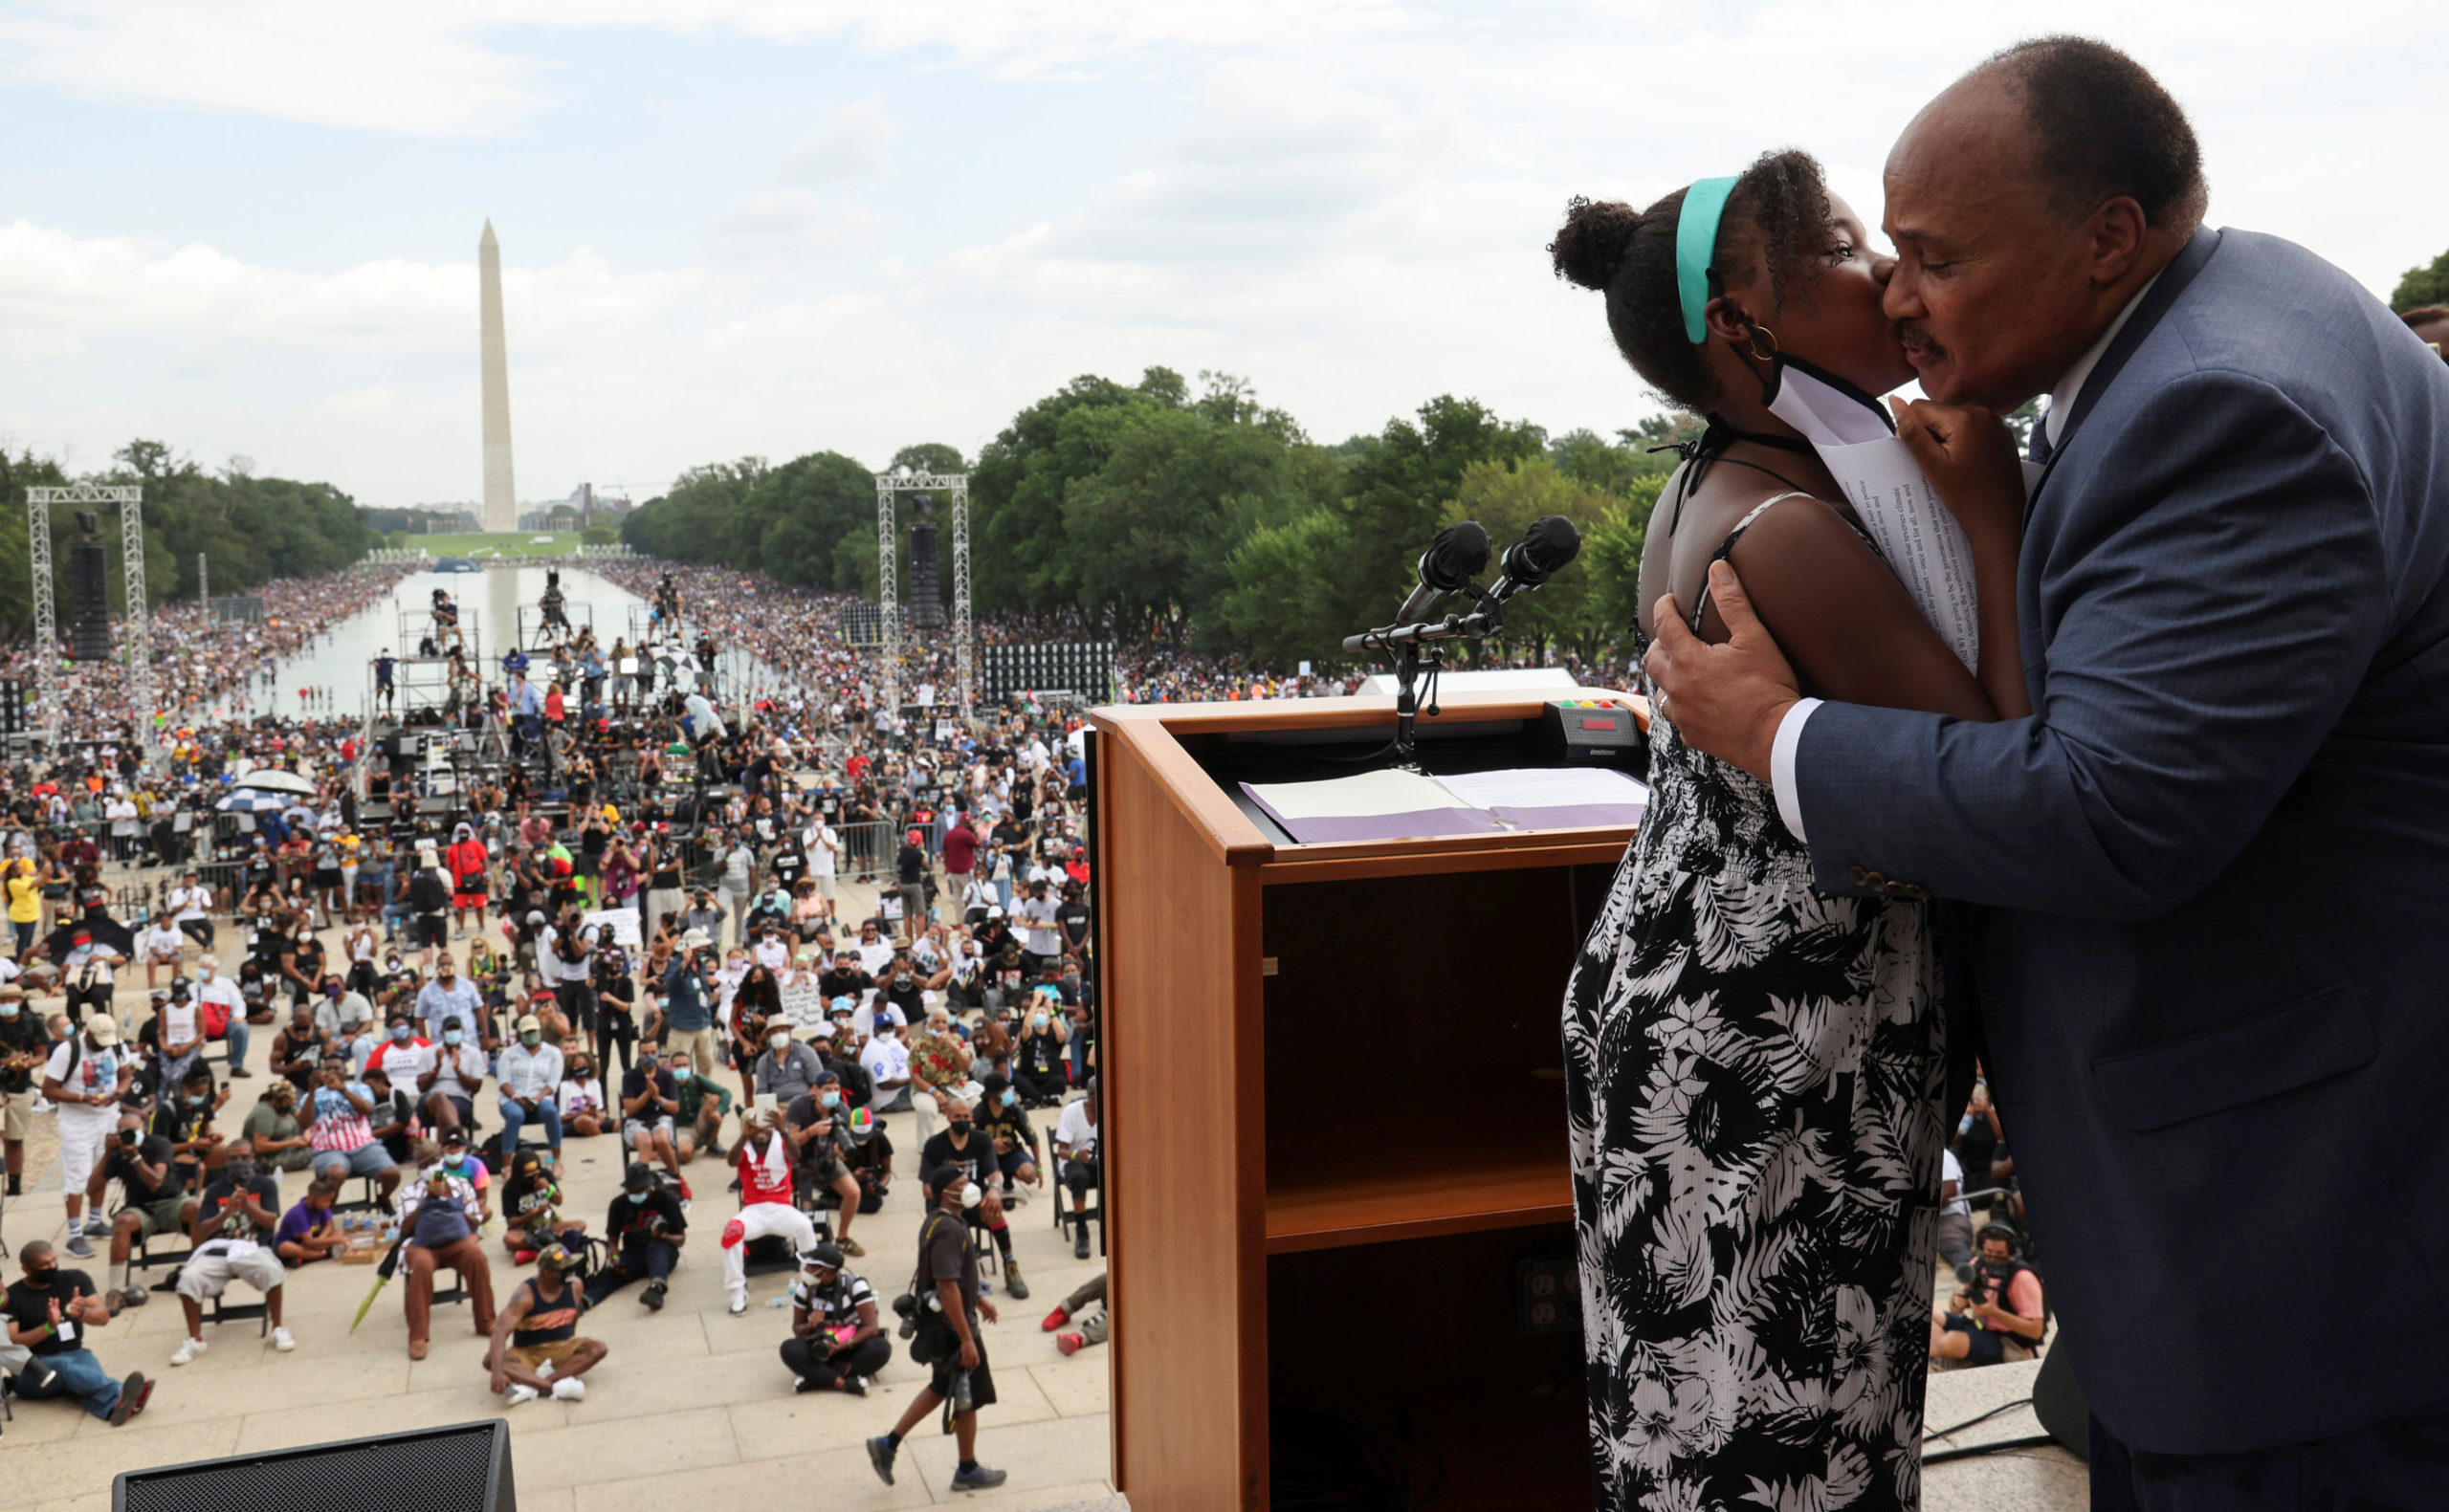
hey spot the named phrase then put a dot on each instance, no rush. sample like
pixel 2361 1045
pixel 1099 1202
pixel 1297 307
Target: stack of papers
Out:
pixel 1400 805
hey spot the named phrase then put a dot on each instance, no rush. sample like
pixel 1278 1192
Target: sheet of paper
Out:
pixel 1367 795
pixel 622 924
pixel 1923 543
pixel 1545 787
pixel 872 958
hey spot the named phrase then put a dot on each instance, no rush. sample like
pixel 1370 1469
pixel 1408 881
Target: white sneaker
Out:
pixel 188 1350
pixel 545 1372
pixel 569 1389
pixel 281 1341
pixel 520 1392
pixel 738 1305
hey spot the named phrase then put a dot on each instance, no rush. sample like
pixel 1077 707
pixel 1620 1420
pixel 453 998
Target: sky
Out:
pixel 734 228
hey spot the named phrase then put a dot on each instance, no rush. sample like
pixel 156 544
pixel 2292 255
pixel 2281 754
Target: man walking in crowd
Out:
pixel 949 1307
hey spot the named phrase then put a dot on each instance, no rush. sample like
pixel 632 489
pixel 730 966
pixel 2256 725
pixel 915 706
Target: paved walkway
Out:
pixel 691 1401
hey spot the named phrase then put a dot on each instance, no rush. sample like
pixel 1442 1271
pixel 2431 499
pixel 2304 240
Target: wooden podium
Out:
pixel 1335 1174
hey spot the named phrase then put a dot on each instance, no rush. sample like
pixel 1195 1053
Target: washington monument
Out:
pixel 501 498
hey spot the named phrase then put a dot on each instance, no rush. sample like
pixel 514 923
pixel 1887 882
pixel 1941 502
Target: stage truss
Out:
pixel 130 500
pixel 956 486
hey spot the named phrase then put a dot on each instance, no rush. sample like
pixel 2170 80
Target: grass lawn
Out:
pixel 519 544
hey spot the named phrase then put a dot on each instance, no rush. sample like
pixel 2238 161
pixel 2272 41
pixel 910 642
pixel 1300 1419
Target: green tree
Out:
pixel 1506 498
pixel 1611 553
pixel 598 536
pixel 2423 286
pixel 928 456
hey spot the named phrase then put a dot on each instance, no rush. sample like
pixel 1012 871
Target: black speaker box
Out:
pixel 463 1468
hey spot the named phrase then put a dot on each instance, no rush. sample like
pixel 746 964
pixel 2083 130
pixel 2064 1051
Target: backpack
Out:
pixel 213 1018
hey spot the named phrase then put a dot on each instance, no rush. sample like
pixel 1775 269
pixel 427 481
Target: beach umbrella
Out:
pixel 276 779
pixel 255 800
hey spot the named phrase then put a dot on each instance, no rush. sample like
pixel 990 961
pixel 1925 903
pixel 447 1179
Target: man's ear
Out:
pixel 2115 233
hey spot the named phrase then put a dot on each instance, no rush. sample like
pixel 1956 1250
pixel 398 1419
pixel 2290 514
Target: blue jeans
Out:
pixel 237 1038
pixel 78 1374
pixel 514 1117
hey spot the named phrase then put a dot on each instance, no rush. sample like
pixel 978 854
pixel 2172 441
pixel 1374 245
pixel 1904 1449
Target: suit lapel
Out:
pixel 2173 279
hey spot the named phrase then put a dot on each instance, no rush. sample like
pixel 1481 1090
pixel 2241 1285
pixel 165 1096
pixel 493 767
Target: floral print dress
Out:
pixel 1754 1076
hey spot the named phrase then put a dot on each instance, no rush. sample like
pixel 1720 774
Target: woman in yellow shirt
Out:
pixel 25 903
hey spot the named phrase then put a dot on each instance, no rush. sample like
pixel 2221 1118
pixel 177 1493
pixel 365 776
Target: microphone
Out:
pixel 1545 549
pixel 1459 554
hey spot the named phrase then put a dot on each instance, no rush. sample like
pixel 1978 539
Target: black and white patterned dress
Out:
pixel 1754 1076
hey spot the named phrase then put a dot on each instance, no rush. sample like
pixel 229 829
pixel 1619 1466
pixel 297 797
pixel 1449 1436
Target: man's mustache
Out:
pixel 1916 338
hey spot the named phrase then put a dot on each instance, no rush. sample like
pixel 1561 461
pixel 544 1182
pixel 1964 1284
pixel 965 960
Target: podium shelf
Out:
pixel 1326 1207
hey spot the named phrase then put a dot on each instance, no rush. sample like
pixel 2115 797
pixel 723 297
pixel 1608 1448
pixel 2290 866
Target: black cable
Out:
pixel 1973 1451
pixel 2003 1407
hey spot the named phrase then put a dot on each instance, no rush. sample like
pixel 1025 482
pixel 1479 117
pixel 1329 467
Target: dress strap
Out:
pixel 1701 600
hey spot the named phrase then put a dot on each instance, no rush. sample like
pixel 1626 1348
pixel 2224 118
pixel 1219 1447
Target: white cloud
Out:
pixel 853 142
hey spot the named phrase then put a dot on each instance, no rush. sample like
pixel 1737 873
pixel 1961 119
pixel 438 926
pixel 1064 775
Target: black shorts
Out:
pixel 1988 1349
pixel 981 1381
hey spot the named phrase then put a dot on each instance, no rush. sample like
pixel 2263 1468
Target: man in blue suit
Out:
pixel 2214 971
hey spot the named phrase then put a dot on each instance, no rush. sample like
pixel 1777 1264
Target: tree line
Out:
pixel 251 530
pixel 1203 518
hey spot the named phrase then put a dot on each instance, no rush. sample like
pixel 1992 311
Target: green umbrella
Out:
pixel 383 1273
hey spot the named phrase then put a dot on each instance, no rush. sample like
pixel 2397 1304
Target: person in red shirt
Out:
pixel 961 855
pixel 467 857
pixel 856 767
pixel 764 1158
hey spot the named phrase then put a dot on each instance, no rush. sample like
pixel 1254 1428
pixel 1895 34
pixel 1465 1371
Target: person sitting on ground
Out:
pixel 155 1188
pixel 308 1232
pixel 273 1129
pixel 1038 1066
pixel 959 1144
pixel 439 1216
pixel 1076 1155
pixel 2000 1315
pixel 836 1344
pixel 535 1349
pixel 236 1221
pixel 52 1313
pixel 530 1204
pixel 764 1160
pixel 1091 1293
pixel 298 1049
pixel 646 1229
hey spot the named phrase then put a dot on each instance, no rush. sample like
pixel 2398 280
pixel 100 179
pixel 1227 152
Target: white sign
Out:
pixel 620 924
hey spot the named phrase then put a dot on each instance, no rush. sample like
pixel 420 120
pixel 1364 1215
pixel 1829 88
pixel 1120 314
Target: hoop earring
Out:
pixel 1754 335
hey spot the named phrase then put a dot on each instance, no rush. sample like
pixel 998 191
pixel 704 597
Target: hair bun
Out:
pixel 1592 244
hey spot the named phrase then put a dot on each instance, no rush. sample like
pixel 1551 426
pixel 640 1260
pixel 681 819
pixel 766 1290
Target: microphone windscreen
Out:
pixel 1459 554
pixel 1553 540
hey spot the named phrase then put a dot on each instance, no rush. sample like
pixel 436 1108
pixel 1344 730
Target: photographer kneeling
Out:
pixel 1999 1309
pixel 836 1343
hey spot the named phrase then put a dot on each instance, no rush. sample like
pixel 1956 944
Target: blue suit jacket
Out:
pixel 2215 979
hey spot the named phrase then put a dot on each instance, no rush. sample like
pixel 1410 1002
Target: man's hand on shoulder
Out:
pixel 1726 700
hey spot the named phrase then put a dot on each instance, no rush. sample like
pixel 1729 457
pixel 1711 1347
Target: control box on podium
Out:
pixel 1335 1185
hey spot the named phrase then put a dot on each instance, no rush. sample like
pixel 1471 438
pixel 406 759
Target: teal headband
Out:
pixel 1696 243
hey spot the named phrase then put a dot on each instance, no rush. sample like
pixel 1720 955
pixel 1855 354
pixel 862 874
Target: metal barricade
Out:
pixel 868 849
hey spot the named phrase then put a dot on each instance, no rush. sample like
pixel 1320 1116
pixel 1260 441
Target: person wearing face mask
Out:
pixel 646 1229
pixel 886 1059
pixel 273 1129
pixel 950 1302
pixel 816 1124
pixel 236 1219
pixel 449 994
pixel 836 1342
pixel 1038 1068
pixel 1075 1160
pixel 786 1069
pixel 23 1047
pixel 439 1216
pixel 962 1144
pixel 530 1074
pixel 763 1158
pixel 84 1079
pixel 336 1113
pixel 219 998
pixel 447 1093
pixel 51 1313
pixel 580 1094
pixel 1004 1121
